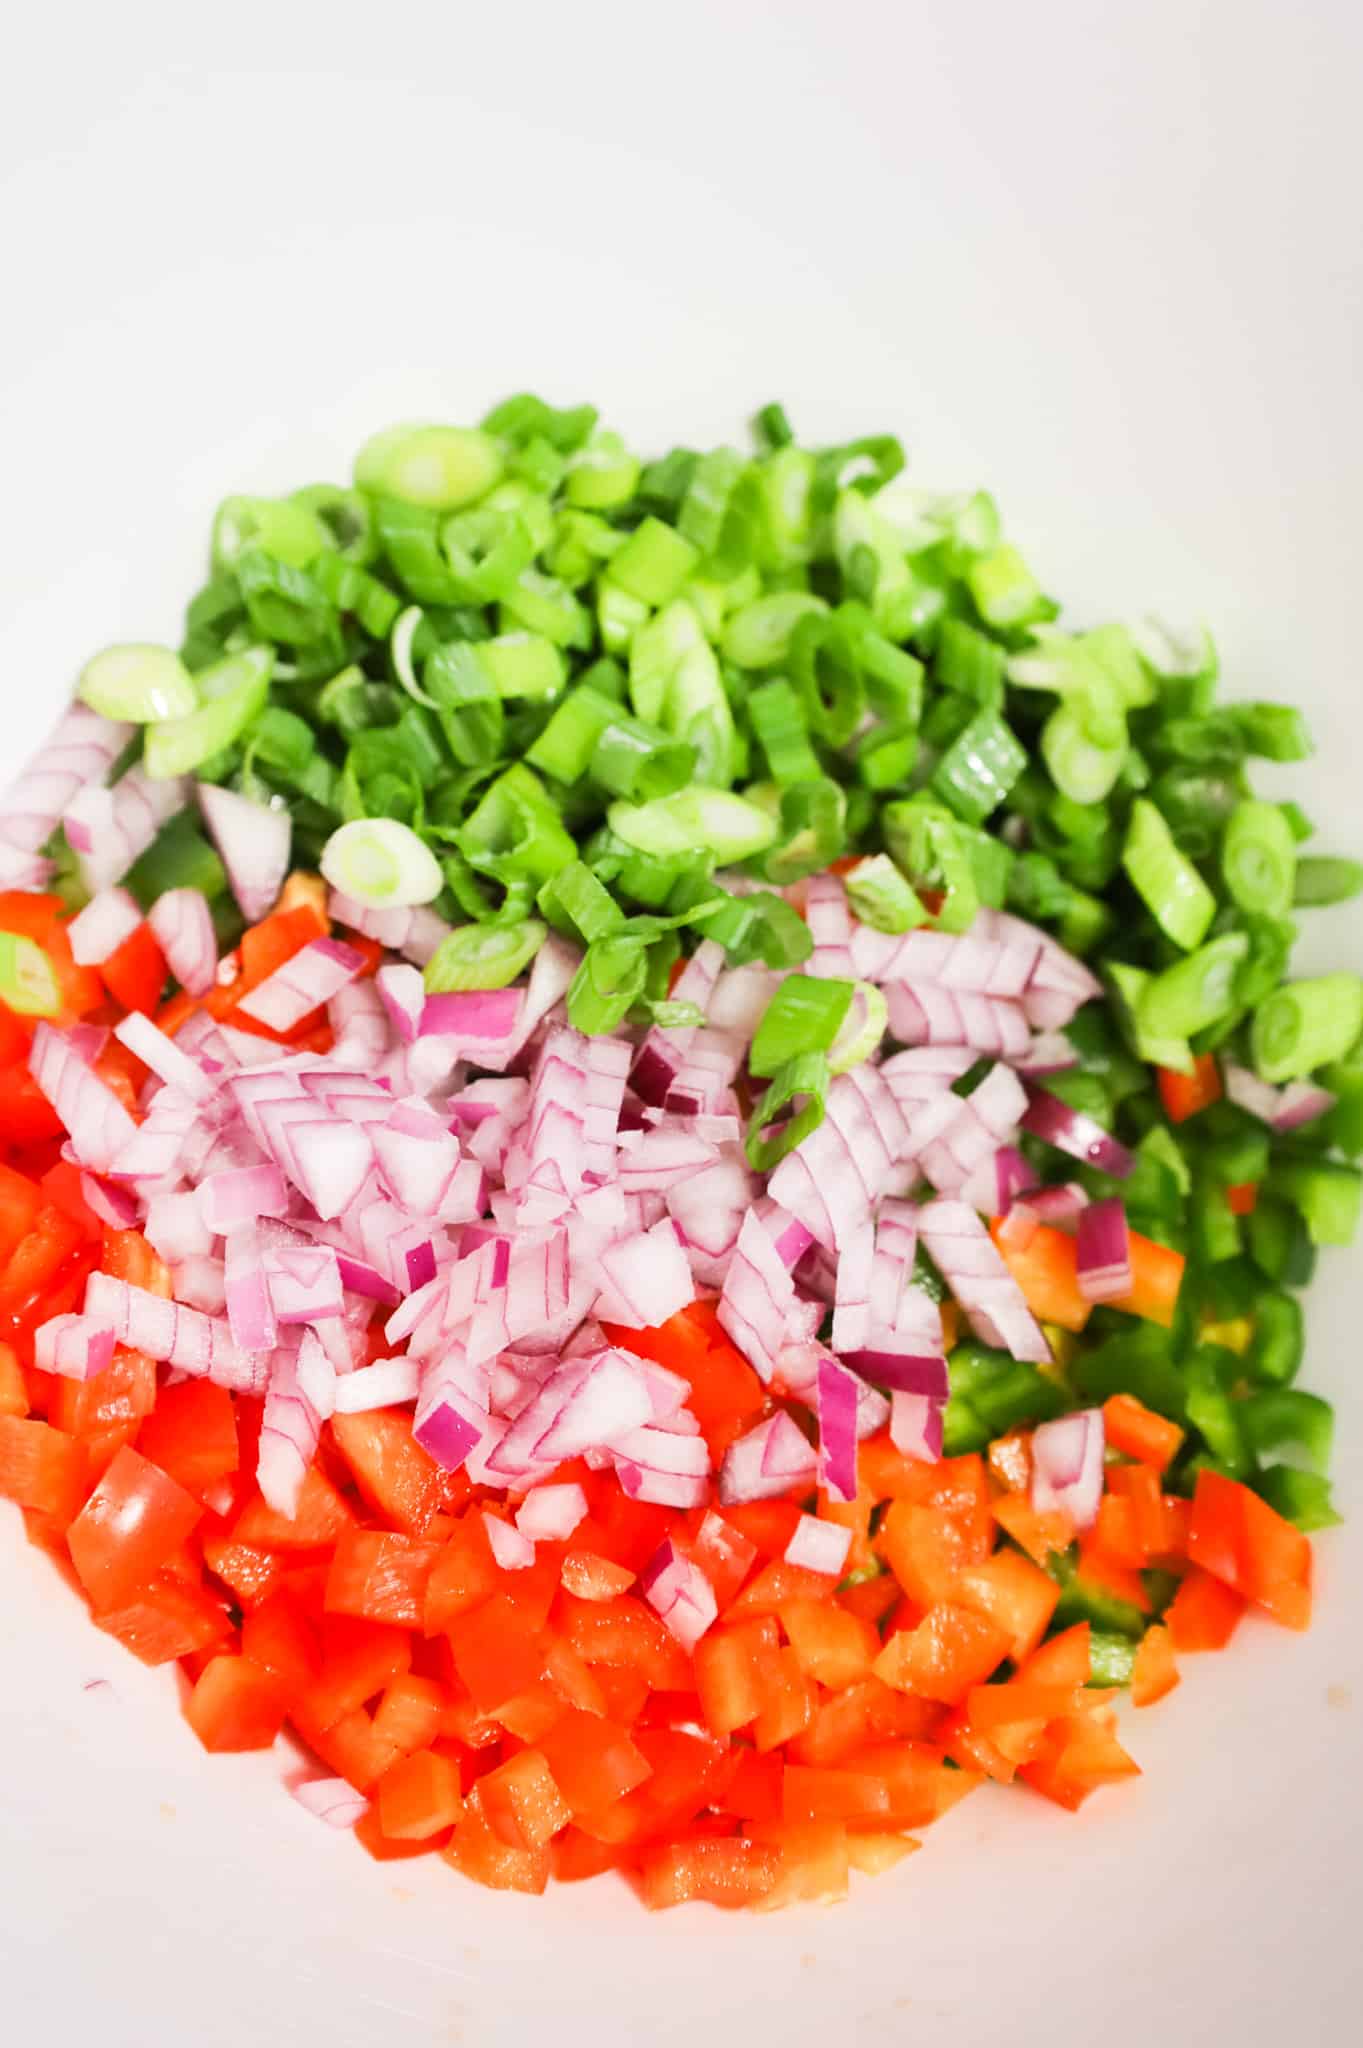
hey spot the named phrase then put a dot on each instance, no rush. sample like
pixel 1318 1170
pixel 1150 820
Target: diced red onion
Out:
pixel 900 1372
pixel 830 927
pixel 182 924
pixel 91 1114
pixel 970 963
pixel 117 1206
pixel 425 935
pixel 929 1014
pixel 119 824
pixel 646 1278
pixel 390 927
pixel 100 929
pixel 1070 1130
pixel 304 983
pixel 965 1257
pixel 253 840
pixel 288 1436
pixel 250 1310
pixel 175 1227
pixel 1104 1251
pixel 360 1021
pixel 549 1514
pixel 819 1546
pixel 1049 1053
pixel 403 995
pixel 172 1334
pixel 332 1800
pixel 388 1383
pixel 75 1346
pixel 1067 1466
pixel 304 1282
pixel 80 751
pixel 679 1593
pixel 1284 1109
pixel 916 1425
pixel 774 1458
pixel 512 1549
pixel 164 1057
pixel 241 1195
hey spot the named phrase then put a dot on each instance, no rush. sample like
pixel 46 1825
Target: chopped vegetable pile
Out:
pixel 657 1162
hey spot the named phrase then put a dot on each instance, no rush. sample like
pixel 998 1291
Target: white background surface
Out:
pixel 1105 259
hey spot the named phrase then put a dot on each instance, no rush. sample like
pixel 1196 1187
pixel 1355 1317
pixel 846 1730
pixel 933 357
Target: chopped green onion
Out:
pixel 437 468
pixel 234 693
pixel 653 564
pixel 813 822
pixel 574 899
pixel 522 665
pixel 540 604
pixel 804 1015
pixel 636 761
pixel 516 833
pixel 1259 858
pixel 353 589
pixel 768 1142
pixel 607 984
pixel 345 517
pixel 926 843
pixel 771 427
pixel 705 506
pixel 881 897
pixel 980 767
pixel 138 683
pixel 862 1030
pixel 601 474
pixel 619 615
pixel 1129 985
pixel 725 825
pixel 779 723
pixel 1193 993
pixel 483 956
pixel 1004 588
pixel 1081 766
pixel 286 528
pixel 759 635
pixel 467 702
pixel 1322 879
pixel 381 862
pixel 565 747
pixel 525 418
pixel 28 980
pixel 1276 731
pixel 1175 893
pixel 1305 1024
pixel 179 857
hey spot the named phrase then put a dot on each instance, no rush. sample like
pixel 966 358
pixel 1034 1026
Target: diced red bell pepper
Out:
pixel 132 1524
pixel 419 1796
pixel 380 1575
pixel 235 1705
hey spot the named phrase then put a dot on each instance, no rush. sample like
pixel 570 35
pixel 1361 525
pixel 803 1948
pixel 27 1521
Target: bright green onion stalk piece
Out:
pixel 137 682
pixel 804 1015
pixel 725 825
pixel 286 528
pixel 439 468
pixel 1259 858
pixel 1305 1024
pixel 1193 993
pixel 1176 895
pixel 881 896
pixel 28 981
pixel 483 956
pixel 381 862
pixel 234 693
